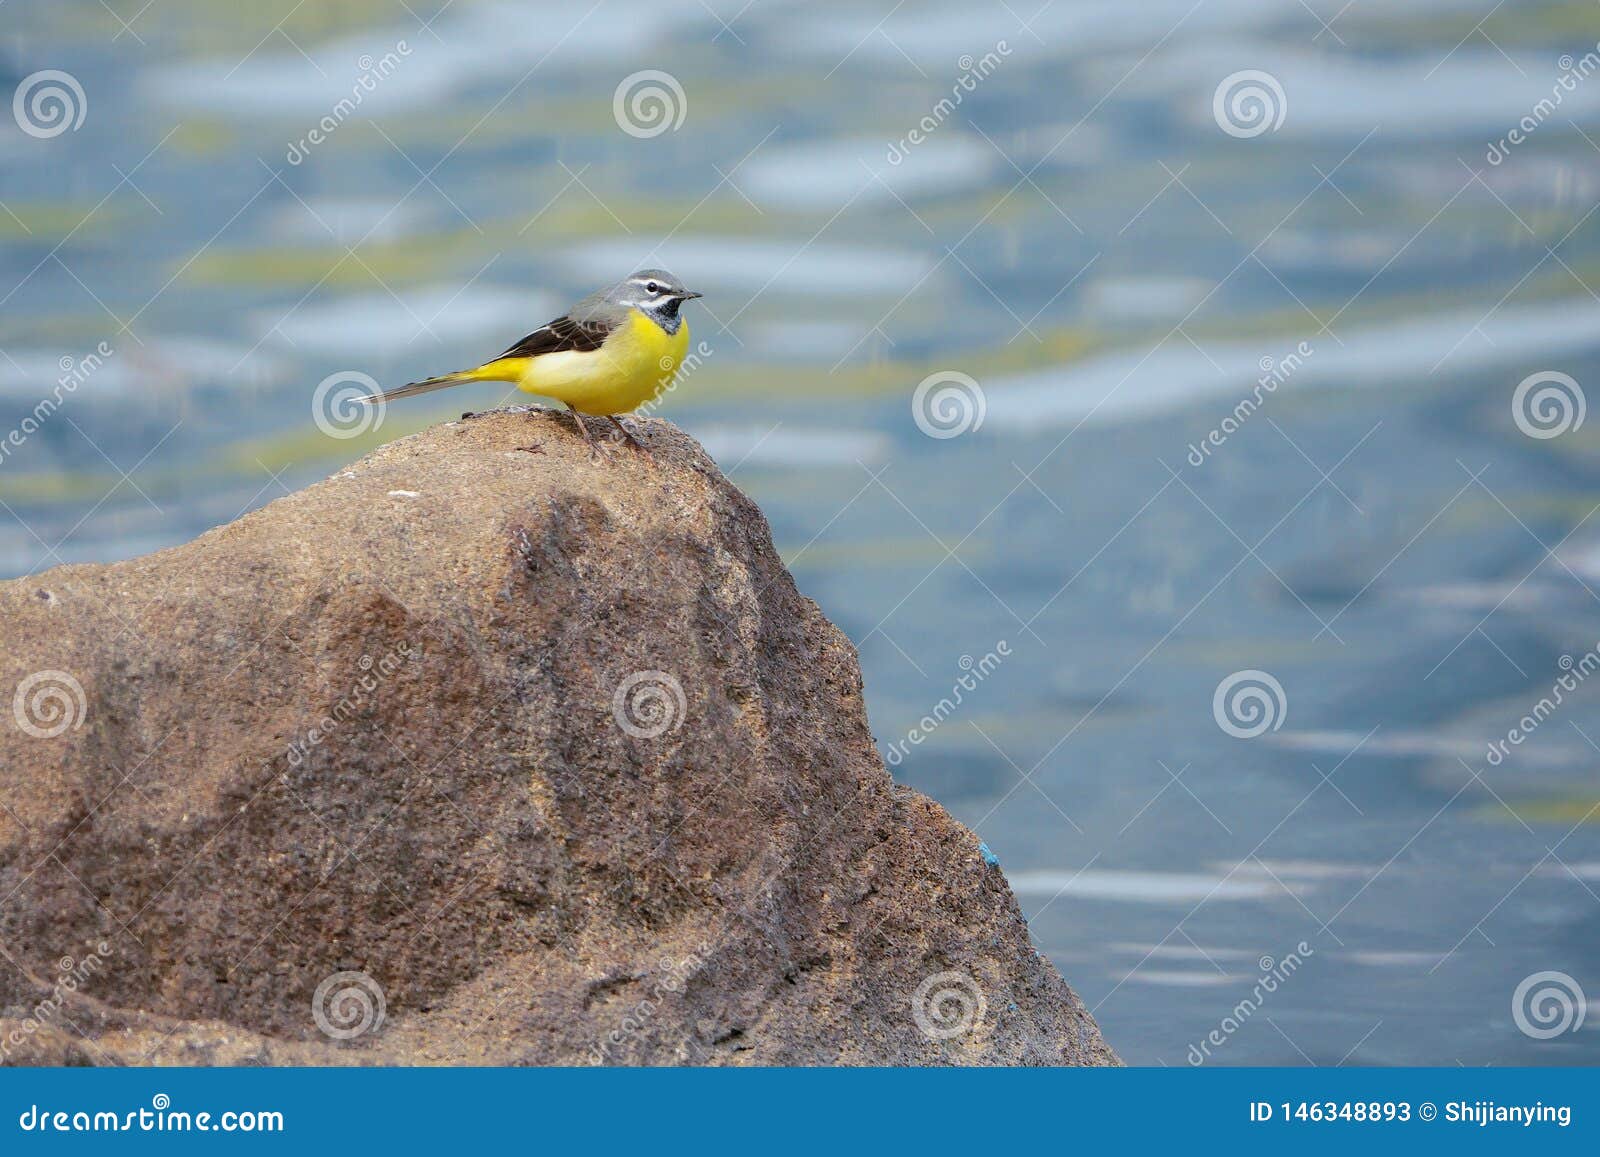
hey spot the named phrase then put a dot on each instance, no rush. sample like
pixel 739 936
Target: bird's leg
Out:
pixel 594 447
pixel 622 428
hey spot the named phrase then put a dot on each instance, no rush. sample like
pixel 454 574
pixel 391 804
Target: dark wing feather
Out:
pixel 560 335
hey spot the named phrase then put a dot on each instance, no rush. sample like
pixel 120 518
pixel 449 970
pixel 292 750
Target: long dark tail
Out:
pixel 499 370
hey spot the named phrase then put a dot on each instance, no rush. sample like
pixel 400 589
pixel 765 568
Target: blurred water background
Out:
pixel 1114 255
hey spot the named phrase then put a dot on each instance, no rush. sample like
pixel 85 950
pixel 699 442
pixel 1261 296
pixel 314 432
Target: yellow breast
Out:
pixel 636 363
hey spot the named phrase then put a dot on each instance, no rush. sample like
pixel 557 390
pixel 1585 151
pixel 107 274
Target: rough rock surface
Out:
pixel 414 736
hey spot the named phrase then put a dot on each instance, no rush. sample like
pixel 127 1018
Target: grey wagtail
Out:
pixel 615 350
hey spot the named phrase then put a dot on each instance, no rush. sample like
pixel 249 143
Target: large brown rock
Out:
pixel 547 755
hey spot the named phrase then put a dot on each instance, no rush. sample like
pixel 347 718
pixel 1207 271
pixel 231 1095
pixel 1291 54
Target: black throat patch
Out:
pixel 665 315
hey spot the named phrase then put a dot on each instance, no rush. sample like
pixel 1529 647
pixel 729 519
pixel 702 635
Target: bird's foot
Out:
pixel 623 429
pixel 594 447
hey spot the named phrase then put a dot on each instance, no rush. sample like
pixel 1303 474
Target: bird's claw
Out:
pixel 624 431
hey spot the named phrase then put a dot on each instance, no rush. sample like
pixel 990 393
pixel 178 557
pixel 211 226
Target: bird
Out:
pixel 612 352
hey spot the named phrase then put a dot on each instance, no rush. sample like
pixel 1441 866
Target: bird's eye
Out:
pixel 651 287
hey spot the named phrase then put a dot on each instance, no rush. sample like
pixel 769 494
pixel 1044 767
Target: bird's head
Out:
pixel 654 292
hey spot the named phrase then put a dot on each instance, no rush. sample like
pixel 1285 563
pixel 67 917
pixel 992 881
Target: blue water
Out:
pixel 1110 269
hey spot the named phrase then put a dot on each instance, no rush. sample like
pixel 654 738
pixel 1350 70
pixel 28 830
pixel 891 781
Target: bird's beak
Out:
pixel 689 295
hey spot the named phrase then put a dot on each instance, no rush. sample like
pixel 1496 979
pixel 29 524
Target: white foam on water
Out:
pixel 1127 384
pixel 1182 951
pixel 734 446
pixel 739 265
pixel 820 342
pixel 1582 554
pixel 378 324
pixel 164 363
pixel 35 373
pixel 1143 887
pixel 823 175
pixel 1571 872
pixel 347 220
pixel 1528 595
pixel 1176 978
pixel 1387 743
pixel 1542 753
pixel 1348 251
pixel 1144 299
pixel 936 35
pixel 1303 871
pixel 1392 959
pixel 1475 90
pixel 281 83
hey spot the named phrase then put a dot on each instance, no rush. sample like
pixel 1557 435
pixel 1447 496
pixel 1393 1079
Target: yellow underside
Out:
pixel 634 365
